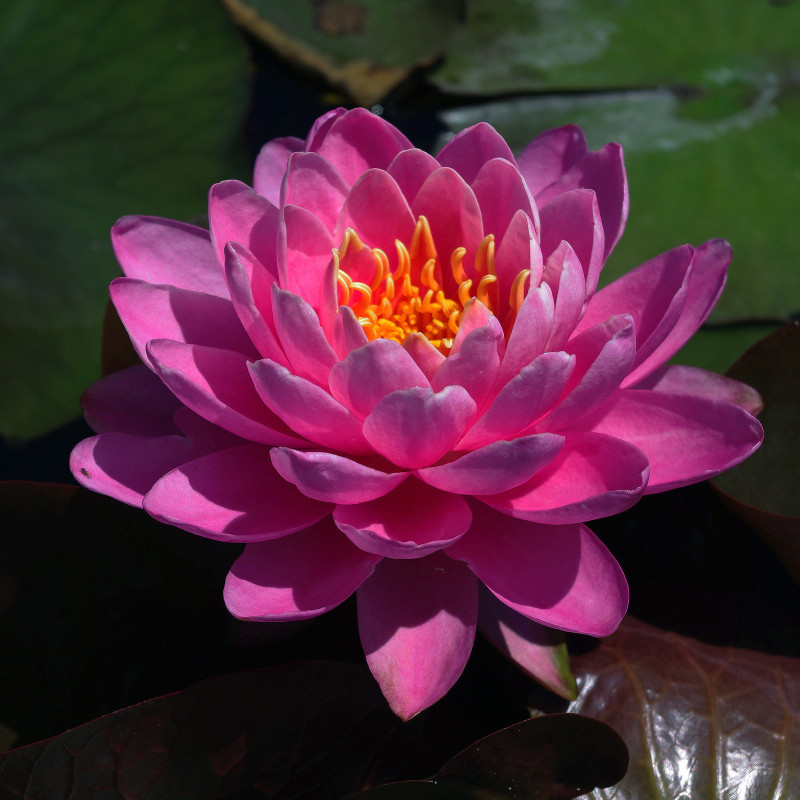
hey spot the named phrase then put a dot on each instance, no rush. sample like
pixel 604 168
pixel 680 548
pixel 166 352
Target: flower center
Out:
pixel 414 298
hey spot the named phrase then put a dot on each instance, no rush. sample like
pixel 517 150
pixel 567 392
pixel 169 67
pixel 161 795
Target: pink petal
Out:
pixel 537 649
pixel 378 212
pixel 545 160
pixel 319 130
pixel 247 278
pixel 522 401
pixel 237 214
pixel 476 315
pixel 410 169
pixel 369 373
pixel 561 576
pixel 417 625
pixel 164 312
pixel 301 337
pixel 574 217
pixel 654 294
pixel 158 250
pixel 706 282
pixel 564 274
pixel 496 467
pixel 678 379
pixel 517 250
pixel 305 249
pixel 215 384
pixel 501 193
pixel 307 409
pixel 296 577
pixel 358 141
pixel 410 522
pixel 332 478
pixel 456 223
pixel 471 148
pixel 425 355
pixel 686 438
pixel 315 185
pixel 233 495
pixel 271 165
pixel 593 476
pixel 416 427
pixel 133 400
pixel 604 356
pixel 348 335
pixel 475 364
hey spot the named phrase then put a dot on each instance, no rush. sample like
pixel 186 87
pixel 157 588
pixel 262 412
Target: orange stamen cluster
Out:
pixel 410 299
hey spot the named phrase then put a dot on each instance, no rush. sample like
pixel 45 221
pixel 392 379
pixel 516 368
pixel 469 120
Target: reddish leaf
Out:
pixel 699 721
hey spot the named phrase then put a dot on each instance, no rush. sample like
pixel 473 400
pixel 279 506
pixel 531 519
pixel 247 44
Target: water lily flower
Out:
pixel 393 374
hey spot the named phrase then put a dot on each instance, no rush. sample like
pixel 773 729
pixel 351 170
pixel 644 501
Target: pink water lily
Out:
pixel 393 374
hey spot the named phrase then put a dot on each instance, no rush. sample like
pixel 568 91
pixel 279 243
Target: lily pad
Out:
pixel 107 109
pixel 698 720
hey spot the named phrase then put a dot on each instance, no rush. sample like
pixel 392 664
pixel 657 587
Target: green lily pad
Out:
pixel 108 109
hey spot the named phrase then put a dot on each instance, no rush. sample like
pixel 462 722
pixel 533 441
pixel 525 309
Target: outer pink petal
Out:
pixel 237 214
pixel 518 250
pixel 378 212
pixel 678 379
pixel 314 184
pixel 686 438
pixel 215 384
pixel 232 495
pixel 164 251
pixel 471 148
pixel 271 165
pixel 416 427
pixel 455 223
pixel 593 476
pixel 307 409
pixel 410 522
pixel 164 312
pixel 550 155
pixel 296 577
pixel 301 337
pixel 475 364
pixel 564 274
pixel 496 467
pixel 706 281
pixel 410 169
pixel 332 478
pixel 537 649
pixel 501 192
pixel 523 400
pixel 417 625
pixel 559 575
pixel 369 373
pixel 133 400
pixel 319 130
pixel 574 217
pixel 359 140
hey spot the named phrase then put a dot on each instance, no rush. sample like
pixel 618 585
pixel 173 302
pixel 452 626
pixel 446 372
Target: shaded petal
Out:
pixel 163 312
pixel 236 213
pixel 133 400
pixel 538 650
pixel 332 478
pixel 159 250
pixel 518 250
pixel 425 355
pixel 296 577
pixel 559 575
pixel 348 335
pixel 545 160
pixel 678 379
pixel 271 164
pixel 593 476
pixel 564 274
pixel 416 427
pixel 319 130
pixel 501 193
pixel 476 315
pixel 523 400
pixel 369 373
pixel 471 148
pixel 417 625
pixel 359 140
pixel 214 383
pixel 410 169
pixel 496 467
pixel 410 522
pixel 686 438
pixel 307 409
pixel 314 184
pixel 233 495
